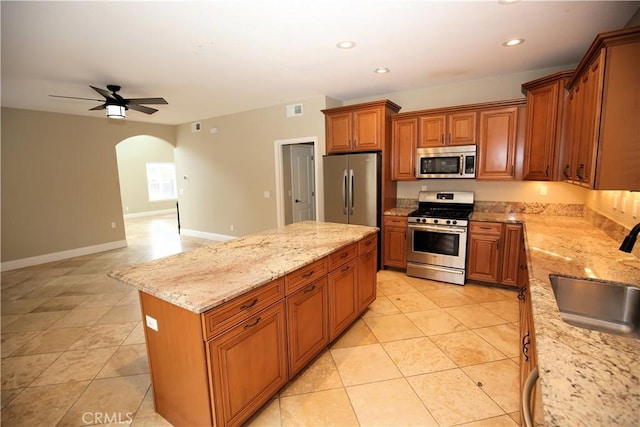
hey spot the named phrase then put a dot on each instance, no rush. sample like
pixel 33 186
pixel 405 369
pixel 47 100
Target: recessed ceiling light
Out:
pixel 507 2
pixel 382 70
pixel 346 44
pixel 513 42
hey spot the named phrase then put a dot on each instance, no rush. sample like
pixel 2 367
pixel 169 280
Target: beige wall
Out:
pixel 133 154
pixel 228 172
pixel 604 202
pixel 60 187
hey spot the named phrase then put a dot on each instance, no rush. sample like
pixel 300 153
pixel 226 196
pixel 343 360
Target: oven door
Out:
pixel 439 245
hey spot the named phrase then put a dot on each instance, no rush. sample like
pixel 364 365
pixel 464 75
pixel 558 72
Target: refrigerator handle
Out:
pixel 351 195
pixel 344 191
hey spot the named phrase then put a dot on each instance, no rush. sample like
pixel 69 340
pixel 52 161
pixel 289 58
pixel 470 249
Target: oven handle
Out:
pixel 446 270
pixel 439 229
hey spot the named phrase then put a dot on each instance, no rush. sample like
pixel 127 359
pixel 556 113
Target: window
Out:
pixel 161 181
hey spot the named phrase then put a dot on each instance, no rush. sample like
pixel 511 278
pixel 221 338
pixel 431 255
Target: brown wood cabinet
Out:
pixel 403 152
pixel 497 144
pixel 221 366
pixel 493 252
pixel 361 127
pixel 395 236
pixel 545 108
pixel 602 119
pixel 528 357
pixel 448 129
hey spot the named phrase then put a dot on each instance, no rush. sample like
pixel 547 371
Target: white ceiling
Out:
pixel 212 58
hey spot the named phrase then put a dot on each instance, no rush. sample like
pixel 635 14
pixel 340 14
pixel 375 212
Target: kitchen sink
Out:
pixel 595 304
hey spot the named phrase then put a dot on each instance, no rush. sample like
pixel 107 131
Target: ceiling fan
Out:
pixel 116 105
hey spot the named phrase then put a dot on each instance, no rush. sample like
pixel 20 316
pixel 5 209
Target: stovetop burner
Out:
pixel 441 213
pixel 435 206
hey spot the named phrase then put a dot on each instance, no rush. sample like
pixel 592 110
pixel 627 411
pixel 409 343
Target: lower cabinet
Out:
pixel 493 252
pixel 395 241
pixel 221 366
pixel 528 358
pixel 248 365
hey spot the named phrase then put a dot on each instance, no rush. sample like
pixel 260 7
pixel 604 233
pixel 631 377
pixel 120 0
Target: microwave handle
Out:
pixel 462 165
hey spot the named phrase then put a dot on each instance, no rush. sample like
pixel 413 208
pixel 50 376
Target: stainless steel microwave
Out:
pixel 457 161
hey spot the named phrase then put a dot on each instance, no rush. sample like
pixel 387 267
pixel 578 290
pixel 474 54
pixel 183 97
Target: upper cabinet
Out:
pixel 403 148
pixel 361 127
pixel 601 138
pixel 437 130
pixel 545 97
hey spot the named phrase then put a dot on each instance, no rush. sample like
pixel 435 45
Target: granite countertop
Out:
pixel 399 211
pixel 211 275
pixel 588 377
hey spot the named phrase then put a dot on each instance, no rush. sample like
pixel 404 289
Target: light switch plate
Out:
pixel 151 322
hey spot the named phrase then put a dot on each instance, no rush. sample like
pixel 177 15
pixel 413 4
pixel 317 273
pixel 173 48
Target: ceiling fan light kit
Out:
pixel 116 111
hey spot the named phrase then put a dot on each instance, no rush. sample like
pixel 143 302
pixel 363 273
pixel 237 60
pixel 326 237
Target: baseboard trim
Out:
pixel 58 256
pixel 205 235
pixel 149 213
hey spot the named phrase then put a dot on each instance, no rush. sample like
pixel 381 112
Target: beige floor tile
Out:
pixel 51 341
pixel 448 297
pixel 34 321
pixel 78 365
pixel 475 316
pixel 408 303
pixel 500 380
pixel 364 364
pixel 42 406
pixel 104 336
pixel 389 403
pixel 267 416
pixel 119 397
pixel 453 398
pixel 505 338
pixel 357 334
pixel 22 306
pixel 7 320
pixel 80 317
pixel 60 304
pixel 321 374
pixel 508 309
pixel 8 395
pixel 127 360
pixel 381 307
pixel 392 327
pixel 480 293
pixel 501 421
pixel 395 287
pixel 155 420
pixel 434 322
pixel 102 300
pixel 20 371
pixel 136 336
pixel 322 408
pixel 12 342
pixel 466 348
pixel 426 285
pixel 120 314
pixel 417 356
pixel 515 416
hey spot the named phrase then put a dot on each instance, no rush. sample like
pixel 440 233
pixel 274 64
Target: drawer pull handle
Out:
pixel 251 304
pixel 310 289
pixel 344 255
pixel 369 242
pixel 309 274
pixel 251 325
pixel 526 340
pixel 345 269
pixel 521 295
pixel 485 228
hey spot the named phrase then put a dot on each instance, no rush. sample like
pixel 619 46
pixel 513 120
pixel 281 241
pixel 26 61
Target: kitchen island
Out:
pixel 587 378
pixel 227 325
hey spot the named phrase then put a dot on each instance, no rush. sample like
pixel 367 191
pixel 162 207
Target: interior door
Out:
pixel 302 183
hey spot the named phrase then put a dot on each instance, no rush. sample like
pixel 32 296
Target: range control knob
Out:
pixel 424 220
pixel 454 222
pixel 448 222
pixel 435 221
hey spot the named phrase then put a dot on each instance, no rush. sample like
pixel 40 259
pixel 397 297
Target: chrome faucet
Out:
pixel 630 240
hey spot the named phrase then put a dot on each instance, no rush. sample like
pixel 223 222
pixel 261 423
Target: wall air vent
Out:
pixel 195 127
pixel 294 110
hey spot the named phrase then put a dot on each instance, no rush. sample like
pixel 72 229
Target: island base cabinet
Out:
pixel 179 376
pixel 343 302
pixel 248 365
pixel 367 273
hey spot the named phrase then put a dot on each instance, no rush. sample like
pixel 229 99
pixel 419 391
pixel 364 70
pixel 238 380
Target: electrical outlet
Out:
pixel 423 188
pixel 615 201
pixel 634 211
pixel 623 205
pixel 232 227
pixel 544 190
pixel 113 225
pixel 151 322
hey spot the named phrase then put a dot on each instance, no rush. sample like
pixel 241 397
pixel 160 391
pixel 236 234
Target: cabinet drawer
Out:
pixel 367 244
pixel 485 227
pixel 395 221
pixel 241 308
pixel 305 275
pixel 343 255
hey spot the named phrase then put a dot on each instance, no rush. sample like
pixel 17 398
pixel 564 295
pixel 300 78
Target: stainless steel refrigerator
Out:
pixel 352 184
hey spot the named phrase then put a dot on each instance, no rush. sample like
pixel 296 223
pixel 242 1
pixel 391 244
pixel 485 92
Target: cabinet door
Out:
pixel 483 253
pixel 395 247
pixel 367 270
pixel 338 128
pixel 527 340
pixel 462 128
pixel 404 142
pixel 432 131
pixel 249 365
pixel 343 304
pixel 542 125
pixel 497 144
pixel 308 324
pixel 367 129
pixel 512 240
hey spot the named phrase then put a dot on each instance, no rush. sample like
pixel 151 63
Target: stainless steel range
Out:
pixel 437 236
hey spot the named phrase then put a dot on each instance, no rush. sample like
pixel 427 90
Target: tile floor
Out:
pixel 425 353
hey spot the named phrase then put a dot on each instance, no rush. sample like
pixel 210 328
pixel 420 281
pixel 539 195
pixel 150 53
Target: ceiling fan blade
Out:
pixel 75 97
pixel 99 107
pixel 102 92
pixel 142 108
pixel 147 101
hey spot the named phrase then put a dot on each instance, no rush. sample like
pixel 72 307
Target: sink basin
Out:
pixel 595 304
